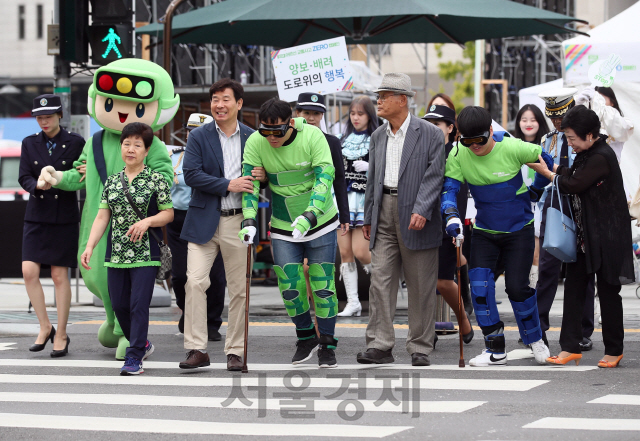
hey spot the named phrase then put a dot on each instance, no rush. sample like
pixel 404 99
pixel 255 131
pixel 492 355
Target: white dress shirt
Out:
pixel 232 155
pixel 395 143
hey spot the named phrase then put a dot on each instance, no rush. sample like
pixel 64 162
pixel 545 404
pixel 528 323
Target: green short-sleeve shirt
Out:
pixel 149 186
pixel 502 164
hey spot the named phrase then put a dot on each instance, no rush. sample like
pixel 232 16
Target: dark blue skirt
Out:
pixel 50 244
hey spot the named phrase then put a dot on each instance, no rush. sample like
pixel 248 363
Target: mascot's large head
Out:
pixel 132 90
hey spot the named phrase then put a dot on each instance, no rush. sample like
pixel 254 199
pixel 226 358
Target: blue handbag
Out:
pixel 560 231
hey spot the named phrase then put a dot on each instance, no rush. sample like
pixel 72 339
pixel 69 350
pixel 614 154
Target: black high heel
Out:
pixel 63 352
pixel 466 338
pixel 36 347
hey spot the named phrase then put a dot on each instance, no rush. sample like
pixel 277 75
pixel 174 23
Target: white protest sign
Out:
pixel 580 58
pixel 602 72
pixel 321 67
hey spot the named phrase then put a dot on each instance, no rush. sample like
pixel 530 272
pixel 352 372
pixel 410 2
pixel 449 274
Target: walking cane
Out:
pixel 460 312
pixel 246 308
pixel 315 322
pixel 311 300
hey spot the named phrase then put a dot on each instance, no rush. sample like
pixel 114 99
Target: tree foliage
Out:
pixel 461 69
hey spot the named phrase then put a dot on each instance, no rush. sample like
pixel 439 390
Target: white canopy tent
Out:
pixel 529 95
pixel 616 36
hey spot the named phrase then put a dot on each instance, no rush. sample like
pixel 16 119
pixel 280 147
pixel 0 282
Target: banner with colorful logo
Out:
pixel 321 67
pixel 579 58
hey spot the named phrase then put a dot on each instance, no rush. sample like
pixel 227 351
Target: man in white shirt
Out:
pixel 402 221
pixel 212 168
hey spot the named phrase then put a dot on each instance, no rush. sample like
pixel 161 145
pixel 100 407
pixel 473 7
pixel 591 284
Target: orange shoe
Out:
pixel 610 364
pixel 557 360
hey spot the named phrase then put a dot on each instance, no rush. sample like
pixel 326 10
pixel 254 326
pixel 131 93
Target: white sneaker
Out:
pixel 488 358
pixel 540 351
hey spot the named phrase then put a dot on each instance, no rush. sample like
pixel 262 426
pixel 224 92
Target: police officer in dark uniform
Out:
pixel 50 234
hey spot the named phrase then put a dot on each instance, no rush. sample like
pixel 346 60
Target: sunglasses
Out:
pixel 383 98
pixel 468 141
pixel 278 130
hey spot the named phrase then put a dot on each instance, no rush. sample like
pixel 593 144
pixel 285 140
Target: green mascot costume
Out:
pixel 125 91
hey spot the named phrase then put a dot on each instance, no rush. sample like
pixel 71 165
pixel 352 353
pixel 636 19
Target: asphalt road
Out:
pixel 82 396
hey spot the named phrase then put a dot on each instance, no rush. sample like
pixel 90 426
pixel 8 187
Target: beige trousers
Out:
pixel 199 261
pixel 388 255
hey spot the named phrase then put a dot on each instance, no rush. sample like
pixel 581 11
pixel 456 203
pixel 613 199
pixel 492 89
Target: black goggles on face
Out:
pixel 278 130
pixel 468 141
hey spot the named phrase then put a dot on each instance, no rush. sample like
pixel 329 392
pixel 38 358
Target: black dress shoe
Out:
pixel 181 324
pixel 418 359
pixel 375 356
pixel 214 335
pixel 62 352
pixel 586 344
pixel 39 347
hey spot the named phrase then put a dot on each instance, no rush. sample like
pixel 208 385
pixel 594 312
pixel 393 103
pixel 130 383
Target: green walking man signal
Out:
pixel 111 39
pixel 111 33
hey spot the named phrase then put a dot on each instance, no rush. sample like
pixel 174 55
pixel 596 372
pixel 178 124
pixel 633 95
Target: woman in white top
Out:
pixel 618 128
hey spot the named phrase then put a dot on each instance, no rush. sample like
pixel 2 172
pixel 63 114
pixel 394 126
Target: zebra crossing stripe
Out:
pixel 633 400
pixel 380 381
pixel 148 425
pixel 272 367
pixel 608 424
pixel 218 402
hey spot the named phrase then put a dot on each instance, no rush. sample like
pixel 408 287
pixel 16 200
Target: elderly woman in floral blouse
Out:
pixel 132 256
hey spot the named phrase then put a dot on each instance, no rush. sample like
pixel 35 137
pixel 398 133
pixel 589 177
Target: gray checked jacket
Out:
pixel 420 181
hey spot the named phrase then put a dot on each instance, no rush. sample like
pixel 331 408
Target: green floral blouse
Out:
pixel 151 193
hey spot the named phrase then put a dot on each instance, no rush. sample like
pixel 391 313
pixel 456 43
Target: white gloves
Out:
pixel 50 175
pixel 301 227
pixel 250 232
pixel 361 166
pixel 454 228
pixel 585 96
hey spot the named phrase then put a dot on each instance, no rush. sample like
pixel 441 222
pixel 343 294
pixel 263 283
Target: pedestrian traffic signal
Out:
pixel 111 31
pixel 110 42
pixel 74 18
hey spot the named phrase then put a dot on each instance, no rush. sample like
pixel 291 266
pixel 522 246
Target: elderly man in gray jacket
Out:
pixel 402 221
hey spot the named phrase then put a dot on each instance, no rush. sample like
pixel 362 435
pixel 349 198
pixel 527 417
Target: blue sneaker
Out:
pixel 148 350
pixel 132 366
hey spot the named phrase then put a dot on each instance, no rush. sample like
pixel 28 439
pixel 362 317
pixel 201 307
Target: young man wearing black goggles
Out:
pixel 277 130
pixel 481 139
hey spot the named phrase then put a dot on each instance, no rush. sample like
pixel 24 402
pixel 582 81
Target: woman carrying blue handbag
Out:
pixel 603 236
pixel 560 230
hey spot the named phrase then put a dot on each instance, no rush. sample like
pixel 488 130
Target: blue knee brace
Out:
pixel 528 320
pixel 483 295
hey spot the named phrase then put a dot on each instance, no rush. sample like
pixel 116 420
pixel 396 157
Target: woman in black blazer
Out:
pixel 600 211
pixel 50 235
